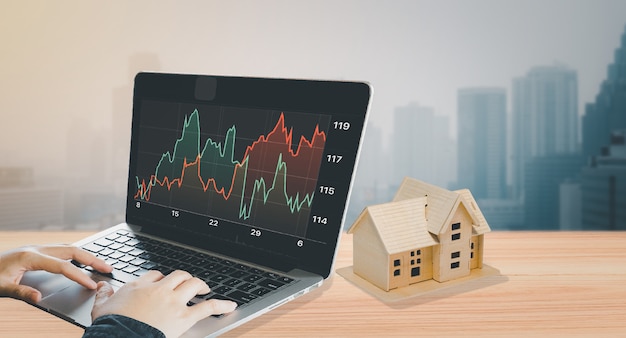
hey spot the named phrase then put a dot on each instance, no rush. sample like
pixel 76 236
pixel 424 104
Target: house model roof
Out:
pixel 418 213
pixel 481 226
pixel 442 204
pixel 401 225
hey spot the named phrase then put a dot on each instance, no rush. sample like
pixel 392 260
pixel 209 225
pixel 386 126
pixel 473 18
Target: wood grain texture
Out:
pixel 553 284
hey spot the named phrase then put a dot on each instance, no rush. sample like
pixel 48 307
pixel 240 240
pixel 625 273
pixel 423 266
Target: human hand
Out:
pixel 160 302
pixel 51 258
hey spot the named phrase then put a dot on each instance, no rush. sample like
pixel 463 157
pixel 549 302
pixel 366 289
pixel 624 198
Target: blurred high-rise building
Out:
pixel 603 180
pixel 544 118
pixel 545 141
pixel 481 143
pixel 603 183
pixel 608 113
pixel 545 175
pixel 421 146
pixel 412 132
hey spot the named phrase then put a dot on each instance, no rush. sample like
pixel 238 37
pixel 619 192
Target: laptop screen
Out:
pixel 259 169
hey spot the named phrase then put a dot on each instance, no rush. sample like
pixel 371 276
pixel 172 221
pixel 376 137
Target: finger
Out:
pixel 66 268
pixel 150 277
pixel 103 292
pixel 211 307
pixel 23 292
pixel 174 279
pixel 192 287
pixel 77 254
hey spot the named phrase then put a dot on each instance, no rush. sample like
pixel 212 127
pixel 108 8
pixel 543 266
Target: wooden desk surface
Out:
pixel 552 283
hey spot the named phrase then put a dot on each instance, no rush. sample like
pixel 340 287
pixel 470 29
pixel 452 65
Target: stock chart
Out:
pixel 253 167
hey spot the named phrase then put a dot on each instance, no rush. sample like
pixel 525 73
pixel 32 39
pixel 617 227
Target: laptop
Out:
pixel 241 181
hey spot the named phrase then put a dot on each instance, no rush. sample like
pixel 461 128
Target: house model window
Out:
pixel 439 232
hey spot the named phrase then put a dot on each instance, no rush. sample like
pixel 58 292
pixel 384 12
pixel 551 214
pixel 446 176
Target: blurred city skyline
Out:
pixel 555 181
pixel 67 74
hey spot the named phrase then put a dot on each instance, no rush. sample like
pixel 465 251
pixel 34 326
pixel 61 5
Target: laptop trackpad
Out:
pixel 47 283
pixel 73 303
pixel 63 297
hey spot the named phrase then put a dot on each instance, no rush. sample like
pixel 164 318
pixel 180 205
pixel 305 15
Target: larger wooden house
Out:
pixel 426 232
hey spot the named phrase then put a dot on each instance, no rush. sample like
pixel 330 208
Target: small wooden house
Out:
pixel 426 232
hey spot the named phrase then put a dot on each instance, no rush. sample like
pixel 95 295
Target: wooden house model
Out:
pixel 426 232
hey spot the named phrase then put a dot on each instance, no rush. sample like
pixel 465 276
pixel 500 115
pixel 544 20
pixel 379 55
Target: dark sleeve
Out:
pixel 113 326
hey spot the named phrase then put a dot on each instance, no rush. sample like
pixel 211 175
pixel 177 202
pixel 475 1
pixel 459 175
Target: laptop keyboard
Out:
pixel 133 255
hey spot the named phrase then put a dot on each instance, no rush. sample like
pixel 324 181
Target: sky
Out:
pixel 62 61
